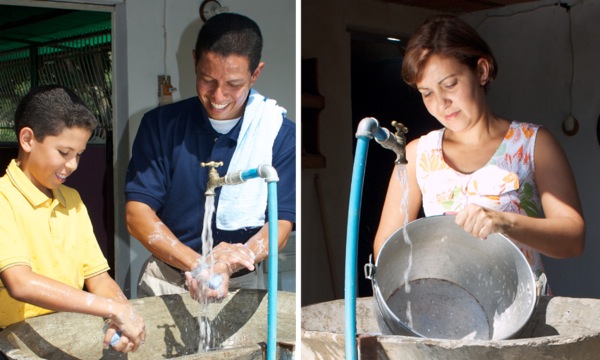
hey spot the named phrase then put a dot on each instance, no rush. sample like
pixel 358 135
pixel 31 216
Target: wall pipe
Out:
pixel 273 272
pixel 358 171
pixel 368 128
pixel 269 173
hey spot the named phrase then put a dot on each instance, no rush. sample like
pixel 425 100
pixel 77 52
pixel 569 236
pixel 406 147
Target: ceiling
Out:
pixel 22 26
pixel 458 6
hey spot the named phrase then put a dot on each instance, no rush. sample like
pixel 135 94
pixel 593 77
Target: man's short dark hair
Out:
pixel 231 34
pixel 49 109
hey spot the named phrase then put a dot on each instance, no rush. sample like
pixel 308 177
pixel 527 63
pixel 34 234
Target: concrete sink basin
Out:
pixel 238 324
pixel 560 328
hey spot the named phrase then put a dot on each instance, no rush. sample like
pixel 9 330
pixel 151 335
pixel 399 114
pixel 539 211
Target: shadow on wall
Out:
pixel 185 60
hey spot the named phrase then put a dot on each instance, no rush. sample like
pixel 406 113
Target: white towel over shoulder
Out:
pixel 244 205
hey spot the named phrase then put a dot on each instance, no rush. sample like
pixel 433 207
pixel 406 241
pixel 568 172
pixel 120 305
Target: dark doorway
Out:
pixel 379 91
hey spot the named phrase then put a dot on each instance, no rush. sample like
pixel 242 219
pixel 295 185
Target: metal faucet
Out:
pixel 264 171
pixel 369 128
pixel 214 180
pixel 399 145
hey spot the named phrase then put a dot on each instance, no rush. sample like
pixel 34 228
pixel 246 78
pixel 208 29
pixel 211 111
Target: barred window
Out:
pixel 81 62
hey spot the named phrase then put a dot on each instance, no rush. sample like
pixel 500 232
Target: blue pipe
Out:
pixel 270 175
pixel 381 134
pixel 273 272
pixel 249 174
pixel 358 172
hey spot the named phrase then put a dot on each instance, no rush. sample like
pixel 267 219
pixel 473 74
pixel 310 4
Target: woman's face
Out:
pixel 452 92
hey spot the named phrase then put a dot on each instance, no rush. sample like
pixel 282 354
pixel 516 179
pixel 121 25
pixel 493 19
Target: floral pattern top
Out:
pixel 506 183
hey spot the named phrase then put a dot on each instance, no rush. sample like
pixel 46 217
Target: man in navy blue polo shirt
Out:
pixel 228 122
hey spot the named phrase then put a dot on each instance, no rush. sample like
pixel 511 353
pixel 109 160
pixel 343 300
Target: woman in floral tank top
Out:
pixel 496 175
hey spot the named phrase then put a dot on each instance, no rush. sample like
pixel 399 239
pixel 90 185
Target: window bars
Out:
pixel 82 63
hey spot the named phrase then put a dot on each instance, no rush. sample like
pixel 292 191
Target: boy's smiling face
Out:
pixel 48 163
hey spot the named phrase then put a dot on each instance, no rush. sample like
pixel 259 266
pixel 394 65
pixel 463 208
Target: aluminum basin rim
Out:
pixel 532 294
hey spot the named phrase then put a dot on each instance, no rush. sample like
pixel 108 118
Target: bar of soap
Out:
pixel 116 336
pixel 215 281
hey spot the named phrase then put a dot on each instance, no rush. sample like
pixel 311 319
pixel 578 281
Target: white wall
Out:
pixel 159 39
pixel 531 43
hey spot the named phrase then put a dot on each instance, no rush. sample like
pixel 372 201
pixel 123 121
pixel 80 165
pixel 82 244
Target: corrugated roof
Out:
pixel 22 26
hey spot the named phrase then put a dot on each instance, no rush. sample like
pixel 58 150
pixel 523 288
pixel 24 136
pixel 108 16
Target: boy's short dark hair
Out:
pixel 231 34
pixel 49 109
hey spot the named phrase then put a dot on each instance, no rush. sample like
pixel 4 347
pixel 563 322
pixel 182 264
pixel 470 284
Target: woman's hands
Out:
pixel 481 222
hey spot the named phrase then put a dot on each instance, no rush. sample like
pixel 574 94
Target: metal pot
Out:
pixel 432 279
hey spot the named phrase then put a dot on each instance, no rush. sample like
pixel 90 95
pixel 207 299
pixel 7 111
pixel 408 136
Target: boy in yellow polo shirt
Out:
pixel 48 250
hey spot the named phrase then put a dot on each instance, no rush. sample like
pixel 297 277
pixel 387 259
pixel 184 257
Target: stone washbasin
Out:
pixel 560 328
pixel 238 325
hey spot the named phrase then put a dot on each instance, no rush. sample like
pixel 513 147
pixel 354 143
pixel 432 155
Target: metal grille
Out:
pixel 82 64
pixel 15 81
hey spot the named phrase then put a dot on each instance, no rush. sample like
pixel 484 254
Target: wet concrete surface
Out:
pixel 238 323
pixel 560 328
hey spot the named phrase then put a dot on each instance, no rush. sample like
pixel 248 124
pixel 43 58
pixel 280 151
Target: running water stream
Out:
pixel 206 341
pixel 402 174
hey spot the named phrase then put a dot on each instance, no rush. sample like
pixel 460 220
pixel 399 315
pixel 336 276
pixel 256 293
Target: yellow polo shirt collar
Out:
pixel 34 195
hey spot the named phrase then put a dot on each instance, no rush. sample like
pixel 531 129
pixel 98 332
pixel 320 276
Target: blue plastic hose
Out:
pixel 358 175
pixel 249 174
pixel 273 272
pixel 273 261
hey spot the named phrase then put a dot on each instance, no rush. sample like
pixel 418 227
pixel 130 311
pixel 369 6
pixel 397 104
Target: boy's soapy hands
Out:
pixel 126 330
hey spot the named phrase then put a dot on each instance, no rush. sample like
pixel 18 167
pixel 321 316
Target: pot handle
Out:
pixel 369 268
